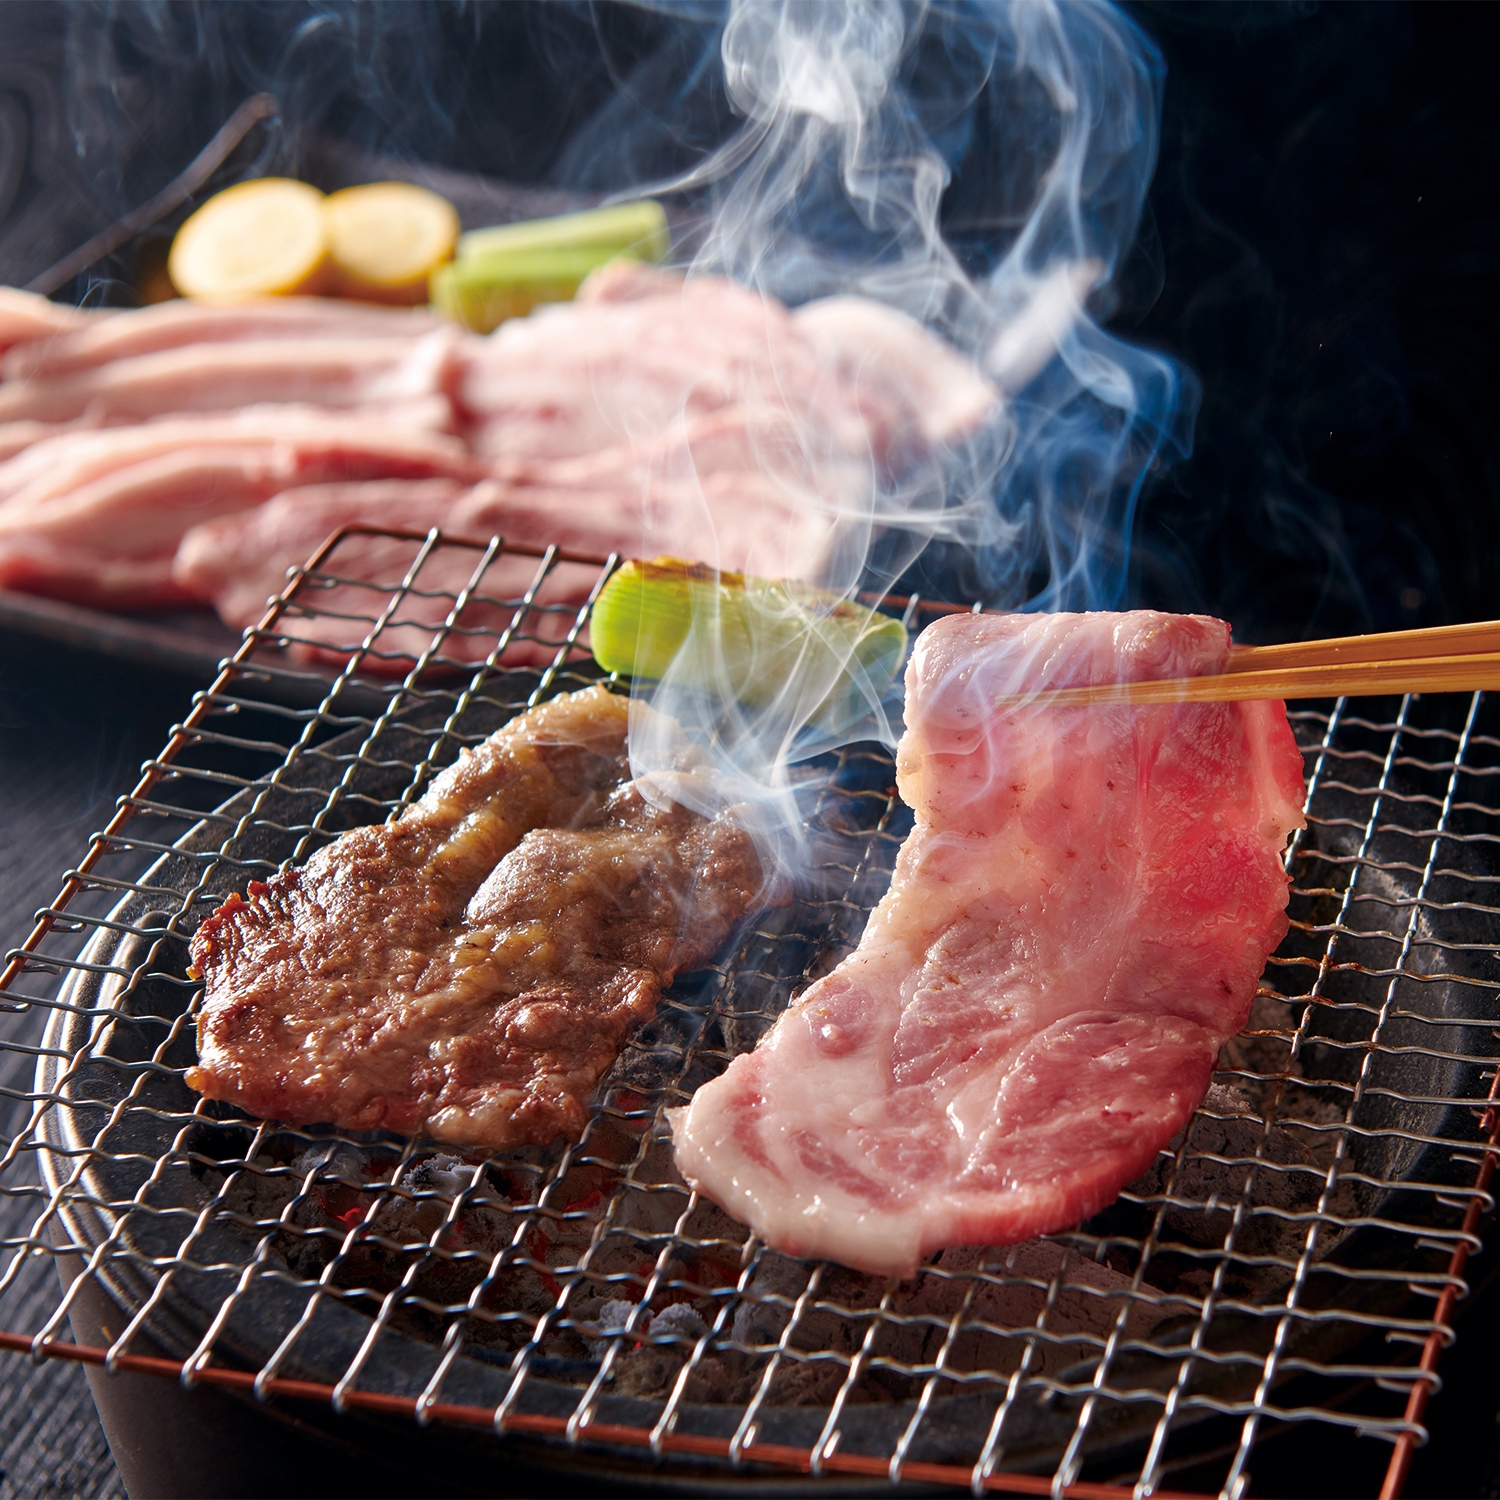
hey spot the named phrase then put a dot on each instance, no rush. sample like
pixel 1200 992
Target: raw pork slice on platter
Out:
pixel 1074 928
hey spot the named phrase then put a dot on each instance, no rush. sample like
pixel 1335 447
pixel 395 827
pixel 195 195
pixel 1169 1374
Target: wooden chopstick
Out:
pixel 1357 679
pixel 1392 645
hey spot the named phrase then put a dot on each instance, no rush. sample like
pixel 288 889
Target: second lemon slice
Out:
pixel 386 238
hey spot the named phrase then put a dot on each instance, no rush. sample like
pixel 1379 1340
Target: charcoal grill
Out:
pixel 1292 1261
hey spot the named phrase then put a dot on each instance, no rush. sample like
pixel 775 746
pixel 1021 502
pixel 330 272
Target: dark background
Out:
pixel 1322 249
pixel 1325 210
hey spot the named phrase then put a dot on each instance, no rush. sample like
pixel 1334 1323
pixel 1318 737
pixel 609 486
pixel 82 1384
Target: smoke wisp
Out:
pixel 831 185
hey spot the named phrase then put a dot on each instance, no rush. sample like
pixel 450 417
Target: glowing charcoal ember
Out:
pixel 470 970
pixel 1074 928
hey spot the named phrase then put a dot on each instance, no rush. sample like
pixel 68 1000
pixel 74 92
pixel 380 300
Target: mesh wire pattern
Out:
pixel 1292 1258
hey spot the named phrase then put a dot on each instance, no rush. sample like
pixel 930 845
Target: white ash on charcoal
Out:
pixel 417 1213
pixel 329 1189
pixel 1039 1293
pixel 653 1351
pixel 1062 1304
pixel 614 1318
pixel 590 1259
pixel 310 1197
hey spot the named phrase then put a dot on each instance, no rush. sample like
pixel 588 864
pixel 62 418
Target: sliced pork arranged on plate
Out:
pixel 174 455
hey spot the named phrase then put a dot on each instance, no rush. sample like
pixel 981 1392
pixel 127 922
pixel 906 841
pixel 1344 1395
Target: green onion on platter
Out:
pixel 641 226
pixel 778 646
pixel 504 272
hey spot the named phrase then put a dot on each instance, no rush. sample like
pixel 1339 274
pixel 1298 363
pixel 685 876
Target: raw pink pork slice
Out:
pixel 55 464
pixel 641 349
pixel 110 539
pixel 1075 926
pixel 170 325
pixel 739 515
pixel 337 372
pixel 24 316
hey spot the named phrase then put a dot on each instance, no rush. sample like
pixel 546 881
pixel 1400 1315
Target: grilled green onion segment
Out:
pixel 800 653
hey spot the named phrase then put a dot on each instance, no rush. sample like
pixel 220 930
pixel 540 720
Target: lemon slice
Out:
pixel 256 239
pixel 386 238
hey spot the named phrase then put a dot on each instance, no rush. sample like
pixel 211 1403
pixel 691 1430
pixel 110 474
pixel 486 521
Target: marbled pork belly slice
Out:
pixel 171 325
pixel 701 493
pixel 336 372
pixel 17 437
pixel 111 540
pixel 640 349
pixel 26 317
pixel 1074 928
pixel 48 459
pixel 469 971
pixel 241 560
pixel 939 392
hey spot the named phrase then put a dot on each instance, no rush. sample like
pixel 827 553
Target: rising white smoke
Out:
pixel 834 184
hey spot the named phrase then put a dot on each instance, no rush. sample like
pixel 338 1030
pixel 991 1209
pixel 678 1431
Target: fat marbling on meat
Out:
pixel 469 970
pixel 172 325
pixel 728 483
pixel 327 371
pixel 104 525
pixel 1075 926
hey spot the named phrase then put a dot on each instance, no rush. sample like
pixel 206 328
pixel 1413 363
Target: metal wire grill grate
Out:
pixel 1292 1258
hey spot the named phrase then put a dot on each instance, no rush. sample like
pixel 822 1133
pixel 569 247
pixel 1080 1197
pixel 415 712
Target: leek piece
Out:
pixel 504 272
pixel 797 651
pixel 483 295
pixel 637 229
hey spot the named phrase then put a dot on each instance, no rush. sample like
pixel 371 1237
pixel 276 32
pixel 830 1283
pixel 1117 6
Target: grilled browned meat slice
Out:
pixel 470 970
